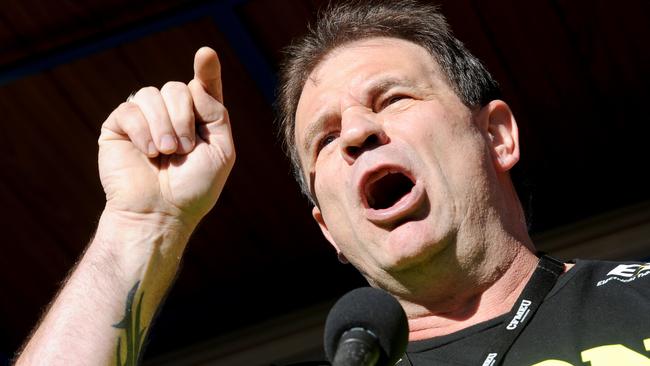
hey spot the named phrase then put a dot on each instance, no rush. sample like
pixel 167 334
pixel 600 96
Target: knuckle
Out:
pixel 127 107
pixel 130 117
pixel 173 87
pixel 216 112
pixel 220 111
pixel 146 91
pixel 184 122
pixel 127 112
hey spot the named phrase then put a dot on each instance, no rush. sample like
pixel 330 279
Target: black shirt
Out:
pixel 597 314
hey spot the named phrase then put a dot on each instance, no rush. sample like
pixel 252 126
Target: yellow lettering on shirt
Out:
pixel 615 354
pixel 552 363
pixel 608 355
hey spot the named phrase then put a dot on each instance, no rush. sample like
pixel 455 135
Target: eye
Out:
pixel 392 99
pixel 326 140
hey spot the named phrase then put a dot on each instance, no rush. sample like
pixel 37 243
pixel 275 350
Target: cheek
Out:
pixel 450 148
pixel 449 136
pixel 330 188
pixel 324 181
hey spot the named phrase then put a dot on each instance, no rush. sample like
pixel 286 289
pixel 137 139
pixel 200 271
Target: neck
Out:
pixel 494 299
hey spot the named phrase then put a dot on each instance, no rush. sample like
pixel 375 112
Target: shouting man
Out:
pixel 397 136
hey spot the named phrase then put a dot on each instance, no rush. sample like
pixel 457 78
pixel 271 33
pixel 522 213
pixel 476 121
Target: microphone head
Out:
pixel 374 310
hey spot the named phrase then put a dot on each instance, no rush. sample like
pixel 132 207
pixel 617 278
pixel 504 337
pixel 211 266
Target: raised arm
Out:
pixel 164 157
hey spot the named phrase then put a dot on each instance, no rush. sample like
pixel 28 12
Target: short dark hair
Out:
pixel 345 22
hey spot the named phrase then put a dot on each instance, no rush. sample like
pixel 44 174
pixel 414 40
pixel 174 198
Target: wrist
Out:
pixel 131 236
pixel 150 221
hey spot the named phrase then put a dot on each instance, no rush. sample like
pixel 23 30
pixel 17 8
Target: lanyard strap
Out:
pixel 540 284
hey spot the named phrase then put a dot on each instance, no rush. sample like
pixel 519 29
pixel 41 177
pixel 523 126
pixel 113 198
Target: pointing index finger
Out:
pixel 207 71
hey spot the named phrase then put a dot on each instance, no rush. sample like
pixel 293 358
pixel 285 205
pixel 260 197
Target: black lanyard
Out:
pixel 540 284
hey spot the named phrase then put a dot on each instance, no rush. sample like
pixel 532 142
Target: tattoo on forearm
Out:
pixel 132 337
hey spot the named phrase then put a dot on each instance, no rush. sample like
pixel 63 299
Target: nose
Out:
pixel 360 131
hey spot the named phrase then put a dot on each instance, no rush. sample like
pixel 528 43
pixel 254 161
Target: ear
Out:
pixel 316 214
pixel 497 121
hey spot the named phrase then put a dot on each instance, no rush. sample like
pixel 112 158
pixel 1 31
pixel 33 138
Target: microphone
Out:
pixel 366 327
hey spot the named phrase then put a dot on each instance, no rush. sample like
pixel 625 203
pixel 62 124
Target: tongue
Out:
pixel 386 191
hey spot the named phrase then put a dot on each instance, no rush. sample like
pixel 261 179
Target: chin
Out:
pixel 414 244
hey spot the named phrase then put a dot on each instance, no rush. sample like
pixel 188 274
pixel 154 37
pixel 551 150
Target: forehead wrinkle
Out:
pixel 383 84
pixel 369 90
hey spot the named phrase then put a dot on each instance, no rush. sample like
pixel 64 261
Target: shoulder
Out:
pixel 608 273
pixel 600 280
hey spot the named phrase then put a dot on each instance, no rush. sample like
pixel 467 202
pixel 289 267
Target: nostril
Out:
pixel 352 150
pixel 371 140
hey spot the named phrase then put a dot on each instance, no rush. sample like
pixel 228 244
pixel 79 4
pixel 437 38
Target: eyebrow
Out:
pixel 314 128
pixel 372 89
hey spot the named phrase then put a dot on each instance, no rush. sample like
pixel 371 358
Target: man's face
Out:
pixel 393 157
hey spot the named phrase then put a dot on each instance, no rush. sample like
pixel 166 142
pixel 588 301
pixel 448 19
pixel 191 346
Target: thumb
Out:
pixel 207 71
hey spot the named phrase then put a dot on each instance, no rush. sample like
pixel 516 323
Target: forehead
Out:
pixel 361 61
pixel 349 71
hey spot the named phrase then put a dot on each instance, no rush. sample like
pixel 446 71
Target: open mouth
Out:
pixel 387 189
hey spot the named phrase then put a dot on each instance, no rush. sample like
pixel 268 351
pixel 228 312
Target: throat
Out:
pixel 428 324
pixel 428 320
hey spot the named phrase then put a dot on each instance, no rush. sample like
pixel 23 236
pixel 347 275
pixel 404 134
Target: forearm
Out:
pixel 107 304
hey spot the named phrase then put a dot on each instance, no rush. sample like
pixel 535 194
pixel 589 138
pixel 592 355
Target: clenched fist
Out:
pixel 168 152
